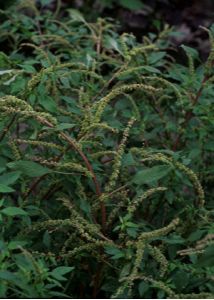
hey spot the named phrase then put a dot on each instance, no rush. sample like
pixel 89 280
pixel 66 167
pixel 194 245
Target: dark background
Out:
pixel 185 15
pixel 143 16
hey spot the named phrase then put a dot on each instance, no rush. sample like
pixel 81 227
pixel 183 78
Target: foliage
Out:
pixel 132 5
pixel 106 161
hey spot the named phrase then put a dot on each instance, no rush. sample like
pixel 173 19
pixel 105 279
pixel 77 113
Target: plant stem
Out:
pixel 189 114
pixel 7 128
pixel 88 166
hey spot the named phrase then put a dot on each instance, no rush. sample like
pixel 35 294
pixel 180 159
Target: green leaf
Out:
pixel 4 60
pixel 58 272
pixel 131 224
pixel 125 270
pixel 16 244
pixel 151 174
pixel 207 258
pixel 29 168
pixel 114 252
pixel 63 126
pixel 85 206
pixel 5 189
pixel 28 68
pixel 2 170
pixel 8 276
pixel 131 4
pixel 156 56
pixel 143 287
pixel 48 103
pixel 191 51
pixel 209 146
pixel 46 239
pixel 76 15
pixel 128 160
pixel 13 211
pixel 196 235
pixel 174 240
pixel 132 232
pixel 3 162
pixel 9 178
pixel 60 127
pixel 150 69
pixel 112 44
pixel 181 279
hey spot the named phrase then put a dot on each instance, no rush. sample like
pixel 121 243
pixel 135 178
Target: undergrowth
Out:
pixel 106 149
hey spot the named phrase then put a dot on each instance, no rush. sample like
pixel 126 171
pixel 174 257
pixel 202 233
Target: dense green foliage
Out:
pixel 106 153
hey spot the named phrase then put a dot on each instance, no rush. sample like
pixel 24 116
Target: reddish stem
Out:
pixel 34 185
pixel 6 129
pixel 88 166
pixel 189 114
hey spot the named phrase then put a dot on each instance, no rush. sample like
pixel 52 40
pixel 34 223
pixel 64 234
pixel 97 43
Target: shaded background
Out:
pixel 143 16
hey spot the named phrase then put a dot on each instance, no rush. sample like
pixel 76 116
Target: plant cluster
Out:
pixel 105 161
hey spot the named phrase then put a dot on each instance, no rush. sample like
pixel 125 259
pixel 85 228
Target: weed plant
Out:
pixel 106 161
